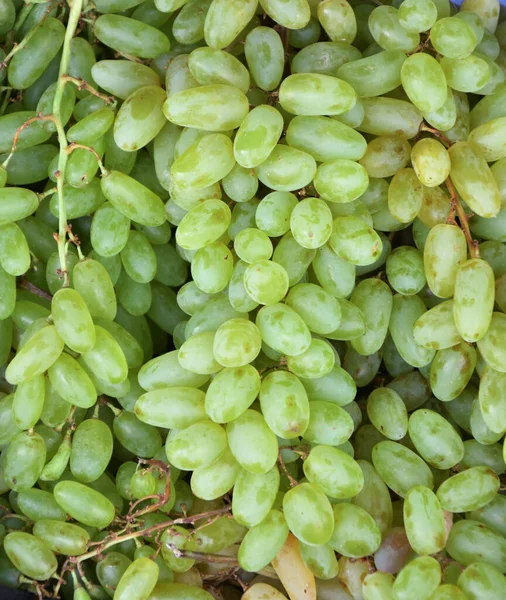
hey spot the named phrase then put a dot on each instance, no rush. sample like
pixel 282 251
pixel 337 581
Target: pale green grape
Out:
pixel 308 514
pixel 374 75
pixel 453 38
pixel 236 343
pixel 252 245
pixel 266 282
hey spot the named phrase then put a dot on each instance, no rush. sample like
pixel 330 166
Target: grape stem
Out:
pixel 73 146
pixel 464 225
pixel 29 287
pixel 293 482
pixel 19 131
pixel 441 137
pixel 72 23
pixel 81 84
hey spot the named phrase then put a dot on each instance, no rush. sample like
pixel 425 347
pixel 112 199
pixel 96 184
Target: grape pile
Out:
pixel 253 299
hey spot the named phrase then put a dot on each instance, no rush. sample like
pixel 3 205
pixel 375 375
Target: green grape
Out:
pixel 385 155
pixel 254 496
pixel 283 329
pixel 469 490
pixel 37 355
pixel 257 136
pixel 24 461
pixel 308 514
pixel 400 468
pixel 453 38
pixel 263 542
pixel 328 424
pixel 441 265
pixel 171 408
pixel 188 26
pixel 72 320
pixel 216 311
pixel 338 20
pixel 405 270
pixel 424 82
pixel 92 445
pixel 336 473
pixel 212 481
pixel 204 163
pixel 354 241
pixel 196 446
pixel 92 127
pixel 142 483
pixel 243 216
pixel 225 20
pixel 481 580
pixel 127 342
pixel 431 162
pixel 111 568
pixel 190 299
pixel 33 135
pixel 311 223
pixel 130 36
pixel 293 257
pixel 490 345
pixel 71 381
pixel 325 139
pixel 240 184
pixel 30 555
pixel 28 402
pixel 374 497
pixel 63 538
pixel 138 580
pixel 265 57
pixel 140 118
pixel 421 576
pixel 324 57
pixel 318 308
pixel 424 521
pixel 178 76
pixel 179 591
pixel 473 299
pixel 106 359
pixel 369 293
pixel 284 404
pixel 336 387
pixel 466 74
pixel 417 16
pixel 445 117
pixel 316 362
pixel 405 195
pixel 436 328
pixel 109 230
pixel 84 504
pixel 138 258
pixel 315 94
pixel 355 532
pixel 93 283
pixel 222 105
pixel 451 370
pixel 479 429
pixel 406 311
pixel 212 267
pixel 252 443
pixel 231 392
pixel 236 343
pixel 135 298
pixel 286 169
pixel 252 245
pixel 388 32
pixel 388 413
pixel 38 504
pixel 486 139
pixel 374 75
pixel 32 60
pixel 341 180
pixel 470 539
pixel 134 200
pixel 203 225
pixel 16 204
pixel 378 585
pixel 334 274
pixel 435 439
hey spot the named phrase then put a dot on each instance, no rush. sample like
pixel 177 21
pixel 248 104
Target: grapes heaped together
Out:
pixel 252 299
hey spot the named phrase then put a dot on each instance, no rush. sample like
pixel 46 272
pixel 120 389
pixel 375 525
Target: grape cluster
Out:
pixel 252 299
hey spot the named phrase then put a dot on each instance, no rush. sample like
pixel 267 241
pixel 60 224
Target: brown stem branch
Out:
pixel 436 133
pixel 29 287
pixel 84 85
pixel 463 221
pixel 293 482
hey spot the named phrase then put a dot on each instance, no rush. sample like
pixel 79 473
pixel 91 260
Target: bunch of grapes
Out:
pixel 252 299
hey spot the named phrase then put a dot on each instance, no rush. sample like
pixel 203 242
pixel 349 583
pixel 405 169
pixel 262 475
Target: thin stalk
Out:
pixel 464 225
pixel 76 7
